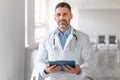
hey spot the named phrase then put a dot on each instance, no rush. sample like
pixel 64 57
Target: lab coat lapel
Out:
pixel 57 41
pixel 67 44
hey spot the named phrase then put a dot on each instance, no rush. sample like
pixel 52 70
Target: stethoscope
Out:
pixel 74 35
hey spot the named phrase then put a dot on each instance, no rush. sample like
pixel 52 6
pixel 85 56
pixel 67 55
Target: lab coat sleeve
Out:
pixel 88 58
pixel 40 61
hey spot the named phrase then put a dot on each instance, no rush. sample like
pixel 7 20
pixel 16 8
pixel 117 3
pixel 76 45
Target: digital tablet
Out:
pixel 62 63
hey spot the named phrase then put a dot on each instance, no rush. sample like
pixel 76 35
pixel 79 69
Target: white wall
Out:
pixel 100 21
pixel 12 40
pixel 96 4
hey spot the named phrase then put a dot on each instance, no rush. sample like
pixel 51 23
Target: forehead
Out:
pixel 62 10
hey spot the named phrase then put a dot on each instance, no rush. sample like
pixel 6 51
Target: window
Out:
pixel 35 21
pixel 40 19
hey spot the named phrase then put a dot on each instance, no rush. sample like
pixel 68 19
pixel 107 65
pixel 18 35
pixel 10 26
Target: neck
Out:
pixel 63 30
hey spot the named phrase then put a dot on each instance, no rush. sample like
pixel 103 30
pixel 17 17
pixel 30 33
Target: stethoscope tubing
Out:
pixel 73 33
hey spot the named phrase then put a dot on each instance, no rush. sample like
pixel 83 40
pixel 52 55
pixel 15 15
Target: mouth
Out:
pixel 63 22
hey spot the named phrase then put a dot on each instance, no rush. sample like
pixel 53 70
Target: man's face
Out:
pixel 63 17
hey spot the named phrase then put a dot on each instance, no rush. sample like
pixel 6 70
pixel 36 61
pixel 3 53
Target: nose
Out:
pixel 61 17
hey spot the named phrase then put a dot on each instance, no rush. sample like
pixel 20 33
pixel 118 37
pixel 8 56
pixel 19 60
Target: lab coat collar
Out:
pixel 67 44
pixel 72 30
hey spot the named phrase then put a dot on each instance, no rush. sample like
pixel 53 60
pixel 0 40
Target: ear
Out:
pixel 54 17
pixel 71 15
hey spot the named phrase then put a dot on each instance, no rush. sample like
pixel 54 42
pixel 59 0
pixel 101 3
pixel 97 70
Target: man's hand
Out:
pixel 70 69
pixel 52 69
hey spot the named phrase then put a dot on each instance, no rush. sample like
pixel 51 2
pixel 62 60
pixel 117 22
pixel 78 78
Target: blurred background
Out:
pixel 24 22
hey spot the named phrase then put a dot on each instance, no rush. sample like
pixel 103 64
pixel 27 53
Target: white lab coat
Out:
pixel 79 50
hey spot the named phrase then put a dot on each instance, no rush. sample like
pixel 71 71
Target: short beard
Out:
pixel 63 28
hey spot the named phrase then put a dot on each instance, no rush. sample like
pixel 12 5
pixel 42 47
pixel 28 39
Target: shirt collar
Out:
pixel 67 32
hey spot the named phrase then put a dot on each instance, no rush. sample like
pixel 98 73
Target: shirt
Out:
pixel 63 37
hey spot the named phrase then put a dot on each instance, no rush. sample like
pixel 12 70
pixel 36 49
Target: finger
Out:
pixel 77 69
pixel 51 67
pixel 71 69
pixel 67 69
pixel 57 68
pixel 47 65
pixel 77 66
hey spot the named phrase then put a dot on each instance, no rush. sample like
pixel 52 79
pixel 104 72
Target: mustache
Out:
pixel 63 20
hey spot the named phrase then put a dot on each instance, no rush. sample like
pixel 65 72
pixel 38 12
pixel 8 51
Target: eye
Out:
pixel 64 14
pixel 57 14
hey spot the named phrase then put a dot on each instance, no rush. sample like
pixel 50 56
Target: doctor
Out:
pixel 65 43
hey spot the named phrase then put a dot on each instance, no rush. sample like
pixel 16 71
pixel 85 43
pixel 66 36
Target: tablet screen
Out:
pixel 62 63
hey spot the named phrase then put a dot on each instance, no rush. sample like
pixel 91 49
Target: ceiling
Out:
pixel 93 4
